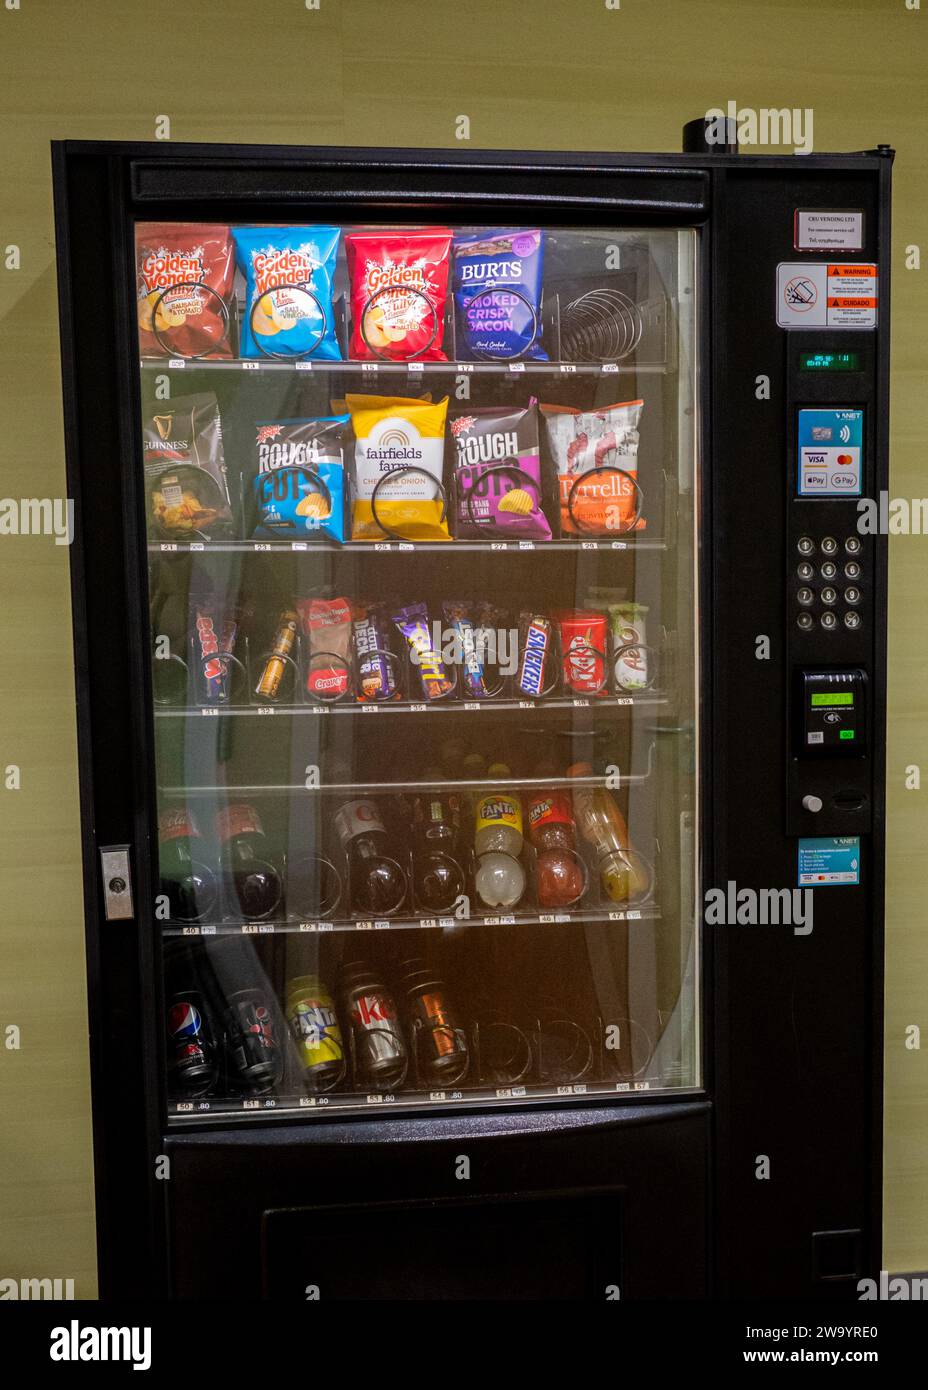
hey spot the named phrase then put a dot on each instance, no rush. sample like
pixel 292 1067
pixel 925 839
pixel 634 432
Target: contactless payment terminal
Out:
pixel 830 447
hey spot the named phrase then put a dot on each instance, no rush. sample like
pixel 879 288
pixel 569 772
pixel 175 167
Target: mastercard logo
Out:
pixel 845 459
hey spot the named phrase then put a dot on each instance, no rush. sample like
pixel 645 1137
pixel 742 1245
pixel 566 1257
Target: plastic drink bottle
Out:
pixel 247 861
pixel 376 879
pixel 438 878
pixel 560 874
pixel 602 825
pixel 500 877
pixel 187 881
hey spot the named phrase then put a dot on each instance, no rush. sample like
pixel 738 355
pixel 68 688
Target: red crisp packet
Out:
pixel 399 284
pixel 583 651
pixel 184 274
pixel 327 628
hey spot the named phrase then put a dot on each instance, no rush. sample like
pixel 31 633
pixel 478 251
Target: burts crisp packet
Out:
pixel 288 291
pixel 497 293
pixel 498 473
pixel 299 480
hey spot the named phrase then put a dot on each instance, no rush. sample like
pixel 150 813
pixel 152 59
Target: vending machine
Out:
pixel 480 694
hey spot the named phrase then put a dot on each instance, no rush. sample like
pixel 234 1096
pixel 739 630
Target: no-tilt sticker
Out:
pixel 826 295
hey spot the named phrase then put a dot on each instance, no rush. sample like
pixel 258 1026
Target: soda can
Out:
pixel 379 1046
pixel 192 1045
pixel 253 1047
pixel 314 1026
pixel 440 1044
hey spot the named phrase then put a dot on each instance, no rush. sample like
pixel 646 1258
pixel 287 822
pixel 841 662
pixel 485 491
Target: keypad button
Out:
pixel 805 570
pixel 805 621
pixel 805 597
pixel 851 594
pixel 829 595
pixel 829 620
pixel 805 545
pixel 829 546
pixel 829 569
pixel 852 545
pixel 852 570
pixel 851 620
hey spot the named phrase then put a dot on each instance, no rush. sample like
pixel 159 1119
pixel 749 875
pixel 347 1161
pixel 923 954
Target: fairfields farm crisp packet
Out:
pixel 399 463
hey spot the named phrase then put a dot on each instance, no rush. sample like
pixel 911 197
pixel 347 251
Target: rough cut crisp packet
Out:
pixel 604 444
pixel 399 465
pixel 288 291
pixel 498 473
pixel 298 486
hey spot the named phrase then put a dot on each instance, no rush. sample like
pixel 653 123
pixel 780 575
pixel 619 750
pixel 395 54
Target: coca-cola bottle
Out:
pixel 252 879
pixel 438 878
pixel 187 881
pixel 376 878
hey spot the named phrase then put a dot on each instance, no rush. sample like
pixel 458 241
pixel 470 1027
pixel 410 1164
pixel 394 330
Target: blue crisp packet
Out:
pixel 288 291
pixel 299 481
pixel 497 293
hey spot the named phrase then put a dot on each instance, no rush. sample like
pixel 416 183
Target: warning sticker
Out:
pixel 826 296
pixel 828 231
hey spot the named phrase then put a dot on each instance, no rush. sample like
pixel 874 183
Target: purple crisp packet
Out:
pixel 498 473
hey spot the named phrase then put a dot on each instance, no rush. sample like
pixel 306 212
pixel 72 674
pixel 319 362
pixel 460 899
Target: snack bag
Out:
pixel 498 473
pixel 399 462
pixel 497 292
pixel 288 291
pixel 184 274
pixel 582 442
pixel 299 480
pixel 185 471
pixel 326 626
pixel 399 283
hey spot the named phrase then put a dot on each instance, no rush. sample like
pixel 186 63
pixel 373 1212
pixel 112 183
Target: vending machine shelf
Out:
pixel 630 542
pixel 366 370
pixel 367 708
pixel 645 912
pixel 302 1107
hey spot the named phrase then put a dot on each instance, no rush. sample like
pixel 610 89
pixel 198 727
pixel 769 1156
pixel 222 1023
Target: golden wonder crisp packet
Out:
pixel 399 465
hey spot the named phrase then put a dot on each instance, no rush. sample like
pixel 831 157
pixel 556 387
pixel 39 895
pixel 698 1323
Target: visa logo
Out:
pixel 815 458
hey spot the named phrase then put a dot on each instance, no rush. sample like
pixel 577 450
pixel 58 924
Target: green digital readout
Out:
pixel 844 698
pixel 829 361
pixel 846 733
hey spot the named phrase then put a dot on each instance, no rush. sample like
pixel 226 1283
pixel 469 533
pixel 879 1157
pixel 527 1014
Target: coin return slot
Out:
pixel 848 800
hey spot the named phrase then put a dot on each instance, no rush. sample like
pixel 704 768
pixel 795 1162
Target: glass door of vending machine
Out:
pixel 422 559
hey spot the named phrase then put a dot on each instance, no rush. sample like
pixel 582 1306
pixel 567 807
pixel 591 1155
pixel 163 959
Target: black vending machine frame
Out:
pixel 694 1218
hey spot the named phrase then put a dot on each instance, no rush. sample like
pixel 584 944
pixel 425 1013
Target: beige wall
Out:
pixel 558 74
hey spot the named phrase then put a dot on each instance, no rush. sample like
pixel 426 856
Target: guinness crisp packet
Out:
pixel 185 470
